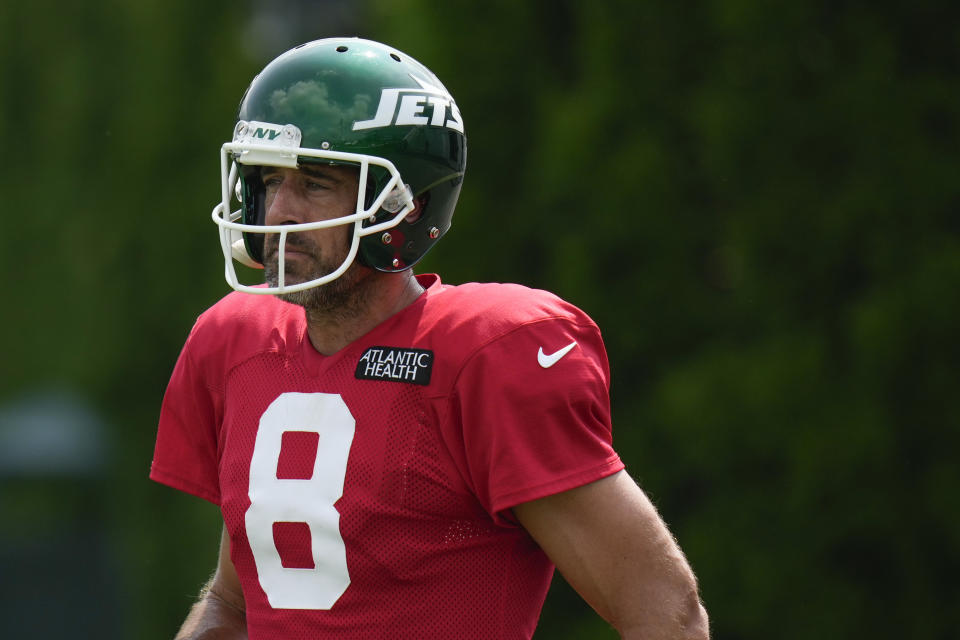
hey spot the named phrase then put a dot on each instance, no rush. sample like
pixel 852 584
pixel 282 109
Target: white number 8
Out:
pixel 309 500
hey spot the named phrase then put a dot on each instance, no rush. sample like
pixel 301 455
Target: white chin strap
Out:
pixel 283 150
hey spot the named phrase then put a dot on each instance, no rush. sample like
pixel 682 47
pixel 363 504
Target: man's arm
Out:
pixel 611 545
pixel 219 613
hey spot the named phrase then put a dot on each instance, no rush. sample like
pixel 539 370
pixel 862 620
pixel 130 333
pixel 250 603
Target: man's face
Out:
pixel 310 194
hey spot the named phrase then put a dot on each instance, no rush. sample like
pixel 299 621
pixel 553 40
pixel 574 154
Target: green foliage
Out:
pixel 113 113
pixel 758 205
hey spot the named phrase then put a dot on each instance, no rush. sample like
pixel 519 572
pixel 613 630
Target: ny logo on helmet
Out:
pixel 414 104
pixel 266 133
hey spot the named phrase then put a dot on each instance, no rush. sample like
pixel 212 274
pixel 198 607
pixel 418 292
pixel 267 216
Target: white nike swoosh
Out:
pixel 546 361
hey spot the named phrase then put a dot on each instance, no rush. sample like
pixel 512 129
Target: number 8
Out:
pixel 301 500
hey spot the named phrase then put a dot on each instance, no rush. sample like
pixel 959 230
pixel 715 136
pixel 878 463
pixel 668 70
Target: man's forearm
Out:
pixel 214 618
pixel 689 621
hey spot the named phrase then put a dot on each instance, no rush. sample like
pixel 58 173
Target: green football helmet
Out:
pixel 353 102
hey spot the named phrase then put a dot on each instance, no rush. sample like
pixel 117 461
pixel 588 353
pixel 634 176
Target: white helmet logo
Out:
pixel 413 107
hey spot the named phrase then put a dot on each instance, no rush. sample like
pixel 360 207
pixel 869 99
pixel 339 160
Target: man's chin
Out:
pixel 345 294
pixel 290 279
pixel 299 298
pixel 292 275
pixel 290 282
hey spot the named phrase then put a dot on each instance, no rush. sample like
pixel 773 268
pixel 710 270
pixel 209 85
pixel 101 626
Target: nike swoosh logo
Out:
pixel 548 360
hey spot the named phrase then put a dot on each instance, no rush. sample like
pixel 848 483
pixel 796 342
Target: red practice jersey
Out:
pixel 368 494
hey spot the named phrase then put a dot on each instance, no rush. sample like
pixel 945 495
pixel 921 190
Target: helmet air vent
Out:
pixel 342 48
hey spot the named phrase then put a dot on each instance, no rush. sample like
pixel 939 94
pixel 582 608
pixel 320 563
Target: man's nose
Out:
pixel 283 205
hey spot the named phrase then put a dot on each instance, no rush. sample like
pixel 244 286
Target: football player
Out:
pixel 393 457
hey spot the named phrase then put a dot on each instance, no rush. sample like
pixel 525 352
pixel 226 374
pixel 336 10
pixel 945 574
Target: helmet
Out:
pixel 352 102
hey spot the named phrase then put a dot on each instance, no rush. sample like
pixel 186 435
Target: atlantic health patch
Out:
pixel 396 365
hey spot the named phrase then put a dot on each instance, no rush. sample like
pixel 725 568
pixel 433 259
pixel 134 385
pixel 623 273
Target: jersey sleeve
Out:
pixel 186 452
pixel 535 411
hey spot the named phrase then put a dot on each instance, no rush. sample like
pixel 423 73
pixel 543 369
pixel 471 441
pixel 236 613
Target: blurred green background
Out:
pixel 759 203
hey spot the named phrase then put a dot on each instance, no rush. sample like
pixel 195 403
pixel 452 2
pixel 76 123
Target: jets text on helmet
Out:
pixel 414 107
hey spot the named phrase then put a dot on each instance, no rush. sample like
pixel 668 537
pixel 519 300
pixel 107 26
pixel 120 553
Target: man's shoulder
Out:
pixel 237 309
pixel 502 305
pixel 243 321
pixel 500 328
pixel 461 320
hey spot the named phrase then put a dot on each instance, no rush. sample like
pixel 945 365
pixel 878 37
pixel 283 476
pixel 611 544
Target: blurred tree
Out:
pixel 759 207
pixel 113 113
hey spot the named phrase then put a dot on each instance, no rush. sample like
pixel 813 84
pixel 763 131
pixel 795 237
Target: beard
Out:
pixel 343 296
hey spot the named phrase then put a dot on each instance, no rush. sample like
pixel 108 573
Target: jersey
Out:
pixel 368 493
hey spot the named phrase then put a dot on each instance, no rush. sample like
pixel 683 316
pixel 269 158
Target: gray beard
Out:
pixel 343 298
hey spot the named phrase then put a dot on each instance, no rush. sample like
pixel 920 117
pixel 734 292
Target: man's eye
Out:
pixel 316 186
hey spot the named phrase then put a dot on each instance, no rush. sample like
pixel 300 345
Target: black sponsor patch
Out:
pixel 396 365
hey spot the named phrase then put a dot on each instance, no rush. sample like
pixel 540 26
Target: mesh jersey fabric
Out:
pixel 380 506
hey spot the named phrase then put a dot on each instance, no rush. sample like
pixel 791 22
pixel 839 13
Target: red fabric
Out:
pixel 292 540
pixel 431 547
pixel 298 455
